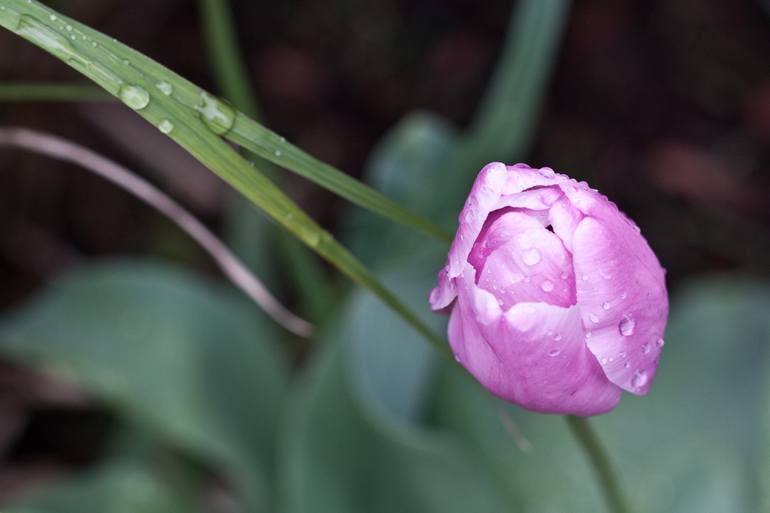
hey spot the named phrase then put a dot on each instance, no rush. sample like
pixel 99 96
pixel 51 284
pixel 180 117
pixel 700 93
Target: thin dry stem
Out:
pixel 231 266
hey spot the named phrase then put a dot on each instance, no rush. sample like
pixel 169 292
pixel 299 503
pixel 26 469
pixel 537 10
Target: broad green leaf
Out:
pixel 195 120
pixel 338 459
pixel 115 487
pixel 189 361
pixel 689 446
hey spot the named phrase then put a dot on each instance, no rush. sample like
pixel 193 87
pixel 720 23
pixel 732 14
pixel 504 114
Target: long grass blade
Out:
pixel 191 117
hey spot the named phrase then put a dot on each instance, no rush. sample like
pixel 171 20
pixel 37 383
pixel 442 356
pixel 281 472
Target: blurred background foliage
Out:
pixel 132 378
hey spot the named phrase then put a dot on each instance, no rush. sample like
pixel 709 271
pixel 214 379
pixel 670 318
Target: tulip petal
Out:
pixel 621 293
pixel 518 260
pixel 533 355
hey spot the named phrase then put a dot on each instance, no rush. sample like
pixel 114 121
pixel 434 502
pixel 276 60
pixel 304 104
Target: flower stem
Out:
pixel 588 439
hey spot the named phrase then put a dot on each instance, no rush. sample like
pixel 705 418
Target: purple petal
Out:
pixel 621 293
pixel 533 355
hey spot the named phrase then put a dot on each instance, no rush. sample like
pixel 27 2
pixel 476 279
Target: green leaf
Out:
pixel 195 120
pixel 689 446
pixel 337 459
pixel 189 361
pixel 116 487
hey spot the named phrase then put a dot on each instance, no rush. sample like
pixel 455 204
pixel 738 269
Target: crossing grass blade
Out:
pixel 195 120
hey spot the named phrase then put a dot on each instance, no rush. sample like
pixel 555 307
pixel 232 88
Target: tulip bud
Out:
pixel 556 301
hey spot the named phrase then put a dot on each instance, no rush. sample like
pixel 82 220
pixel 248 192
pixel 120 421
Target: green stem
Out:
pixel 607 476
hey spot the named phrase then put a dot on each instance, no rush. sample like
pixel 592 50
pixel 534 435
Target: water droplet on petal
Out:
pixel 606 305
pixel 531 256
pixel 457 359
pixel 165 126
pixel 585 277
pixel 626 326
pixel 588 334
pixel 627 365
pixel 594 318
pixel 134 96
pixel 547 286
pixel 639 379
pixel 547 172
pixel 624 295
pixel 554 352
pixel 646 349
pixel 557 337
pixel 604 361
pixel 660 342
pixel 564 276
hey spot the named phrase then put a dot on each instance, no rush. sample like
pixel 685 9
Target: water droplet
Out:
pixel 547 172
pixel 622 354
pixel 626 326
pixel 134 96
pixel 588 334
pixel 216 114
pixel 277 153
pixel 531 256
pixel 554 352
pixel 594 318
pixel 646 349
pixel 165 126
pixel 606 305
pixel 627 365
pixel 457 359
pixel 68 28
pixel 564 276
pixel 585 277
pixel 624 295
pixel 547 286
pixel 604 361
pixel 52 17
pixel 557 337
pixel 165 88
pixel 639 379
pixel 46 37
pixel 660 342
pixel 611 359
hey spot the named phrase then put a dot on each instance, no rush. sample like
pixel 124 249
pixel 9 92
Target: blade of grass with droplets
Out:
pixel 35 92
pixel 310 282
pixel 194 119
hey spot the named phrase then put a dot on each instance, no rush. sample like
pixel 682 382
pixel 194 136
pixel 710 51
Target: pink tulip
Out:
pixel 556 301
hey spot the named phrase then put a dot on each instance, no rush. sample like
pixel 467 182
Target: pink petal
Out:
pixel 518 260
pixel 493 182
pixel 621 293
pixel 533 355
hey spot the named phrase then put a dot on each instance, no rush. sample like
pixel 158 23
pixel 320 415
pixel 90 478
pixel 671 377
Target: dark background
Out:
pixel 663 106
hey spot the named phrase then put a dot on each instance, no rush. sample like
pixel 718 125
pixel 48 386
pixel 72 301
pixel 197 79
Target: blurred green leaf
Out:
pixel 116 487
pixel 189 361
pixel 689 446
pixel 338 459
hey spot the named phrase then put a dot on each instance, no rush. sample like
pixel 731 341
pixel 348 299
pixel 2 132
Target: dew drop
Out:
pixel 627 365
pixel 278 153
pixel 52 17
pixel 554 352
pixel 622 354
pixel 624 295
pixel 639 379
pixel 585 277
pixel 134 96
pixel 216 114
pixel 660 342
pixel 646 349
pixel 564 276
pixel 547 286
pixel 547 172
pixel 626 326
pixel 588 334
pixel 68 28
pixel 606 305
pixel 604 361
pixel 557 337
pixel 457 359
pixel 594 318
pixel 531 256
pixel 165 126
pixel 165 88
